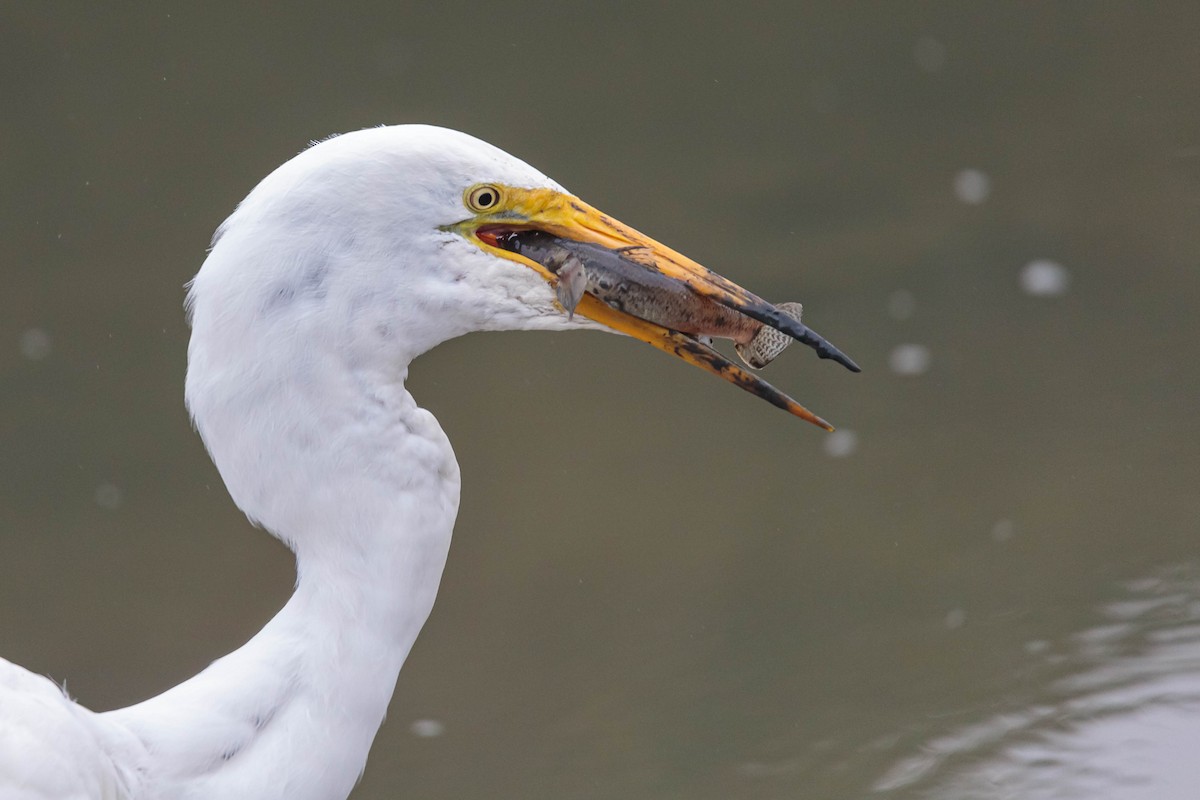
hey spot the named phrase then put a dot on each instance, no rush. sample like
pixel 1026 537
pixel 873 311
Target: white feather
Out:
pixel 323 285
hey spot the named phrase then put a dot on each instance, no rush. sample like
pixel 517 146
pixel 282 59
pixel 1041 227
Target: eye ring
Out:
pixel 482 197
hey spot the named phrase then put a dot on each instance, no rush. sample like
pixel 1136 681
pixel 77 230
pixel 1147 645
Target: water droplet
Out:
pixel 841 443
pixel 427 728
pixel 108 496
pixel 909 359
pixel 955 618
pixel 972 186
pixel 1003 530
pixel 1044 278
pixel 36 344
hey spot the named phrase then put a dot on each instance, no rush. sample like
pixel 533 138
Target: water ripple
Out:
pixel 1122 721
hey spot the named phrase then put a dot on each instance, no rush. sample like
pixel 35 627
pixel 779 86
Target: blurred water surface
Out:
pixel 986 585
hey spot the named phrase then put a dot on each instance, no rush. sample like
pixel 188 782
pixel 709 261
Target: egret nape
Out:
pixel 341 267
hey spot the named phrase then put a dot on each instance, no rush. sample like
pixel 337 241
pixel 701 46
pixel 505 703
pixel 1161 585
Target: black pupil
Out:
pixel 485 199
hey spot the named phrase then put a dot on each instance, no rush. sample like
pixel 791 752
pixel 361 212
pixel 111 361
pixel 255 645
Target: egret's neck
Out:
pixel 363 485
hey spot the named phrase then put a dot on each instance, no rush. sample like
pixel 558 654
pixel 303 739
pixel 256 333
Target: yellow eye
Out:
pixel 482 197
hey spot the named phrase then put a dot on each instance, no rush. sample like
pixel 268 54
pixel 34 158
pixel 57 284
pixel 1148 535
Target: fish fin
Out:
pixel 768 343
pixel 572 281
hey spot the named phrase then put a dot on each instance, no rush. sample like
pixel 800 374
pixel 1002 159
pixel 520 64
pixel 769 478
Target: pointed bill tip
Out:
pixel 827 350
pixel 755 307
pixel 824 348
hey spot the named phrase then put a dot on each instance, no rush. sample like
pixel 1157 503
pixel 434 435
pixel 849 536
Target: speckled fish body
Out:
pixel 616 277
pixel 621 281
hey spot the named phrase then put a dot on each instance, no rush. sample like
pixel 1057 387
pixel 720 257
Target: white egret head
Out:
pixel 370 248
pixel 347 249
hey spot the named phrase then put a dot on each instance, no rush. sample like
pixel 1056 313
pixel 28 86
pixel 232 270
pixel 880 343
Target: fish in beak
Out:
pixel 624 280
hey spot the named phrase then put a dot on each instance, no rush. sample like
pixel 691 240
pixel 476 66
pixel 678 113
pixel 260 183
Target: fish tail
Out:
pixel 768 343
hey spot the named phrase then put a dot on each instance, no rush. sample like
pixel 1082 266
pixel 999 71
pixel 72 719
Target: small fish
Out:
pixel 616 277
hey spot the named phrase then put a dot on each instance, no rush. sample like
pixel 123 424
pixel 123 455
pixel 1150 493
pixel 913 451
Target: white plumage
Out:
pixel 320 289
pixel 338 270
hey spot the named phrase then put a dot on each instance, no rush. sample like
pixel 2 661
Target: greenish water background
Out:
pixel 995 592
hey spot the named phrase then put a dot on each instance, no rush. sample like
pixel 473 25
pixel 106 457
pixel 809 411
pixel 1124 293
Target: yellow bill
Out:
pixel 628 282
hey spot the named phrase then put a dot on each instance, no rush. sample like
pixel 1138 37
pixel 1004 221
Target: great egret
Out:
pixel 339 269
